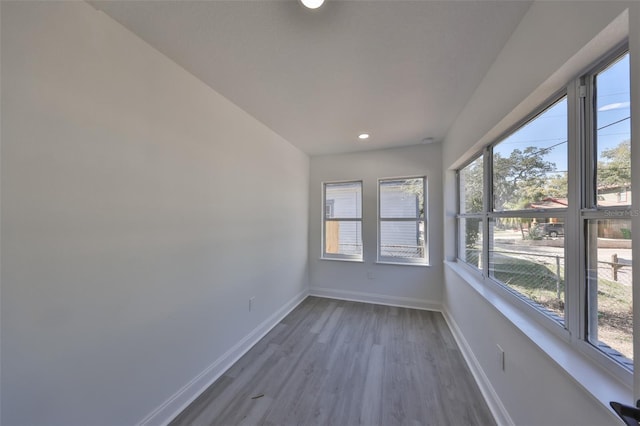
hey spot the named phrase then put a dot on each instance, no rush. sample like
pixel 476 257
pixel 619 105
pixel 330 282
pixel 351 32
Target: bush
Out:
pixel 626 233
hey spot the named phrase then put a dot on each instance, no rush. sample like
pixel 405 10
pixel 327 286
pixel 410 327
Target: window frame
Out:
pixel 399 260
pixel 590 210
pixel 582 207
pixel 339 256
pixel 474 215
pixel 551 321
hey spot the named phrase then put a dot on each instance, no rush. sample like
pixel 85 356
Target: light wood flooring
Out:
pixel 333 362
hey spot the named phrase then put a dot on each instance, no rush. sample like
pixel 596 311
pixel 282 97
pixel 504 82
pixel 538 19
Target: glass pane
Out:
pixel 402 198
pixel 530 166
pixel 402 239
pixel 613 135
pixel 343 200
pixel 343 237
pixel 527 255
pixel 470 245
pixel 610 280
pixel 471 185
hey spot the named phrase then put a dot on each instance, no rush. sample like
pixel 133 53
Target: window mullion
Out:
pixel 575 313
pixel 487 206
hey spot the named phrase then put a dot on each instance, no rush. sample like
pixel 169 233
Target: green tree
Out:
pixel 415 188
pixel 615 168
pixel 557 186
pixel 471 191
pixel 471 182
pixel 520 178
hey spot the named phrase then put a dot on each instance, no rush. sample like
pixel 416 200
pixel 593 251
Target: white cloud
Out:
pixel 617 105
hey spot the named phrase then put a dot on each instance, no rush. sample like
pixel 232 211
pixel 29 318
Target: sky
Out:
pixel 549 129
pixel 613 103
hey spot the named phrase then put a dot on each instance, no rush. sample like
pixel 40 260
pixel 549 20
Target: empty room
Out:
pixel 349 212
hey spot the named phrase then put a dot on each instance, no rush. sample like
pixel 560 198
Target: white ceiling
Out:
pixel 399 70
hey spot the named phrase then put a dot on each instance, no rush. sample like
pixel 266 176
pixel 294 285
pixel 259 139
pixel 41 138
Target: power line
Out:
pixel 611 124
pixel 529 141
pixel 547 149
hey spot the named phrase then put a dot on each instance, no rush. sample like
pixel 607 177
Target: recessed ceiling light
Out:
pixel 312 4
pixel 363 136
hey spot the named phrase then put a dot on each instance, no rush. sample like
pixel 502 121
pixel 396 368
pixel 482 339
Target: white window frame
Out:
pixel 539 215
pixel 582 196
pixel 590 210
pixel 399 260
pixel 338 256
pixel 481 216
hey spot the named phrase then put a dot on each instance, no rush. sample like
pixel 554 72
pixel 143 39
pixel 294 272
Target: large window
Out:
pixel 470 221
pixel 522 196
pixel 529 166
pixel 606 214
pixel 342 221
pixel 401 220
pixel 529 174
pixel 612 116
pixel 526 254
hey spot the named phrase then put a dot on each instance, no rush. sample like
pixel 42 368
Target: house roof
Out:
pixel 549 203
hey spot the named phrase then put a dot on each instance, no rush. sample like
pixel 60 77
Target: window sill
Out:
pixel 342 260
pixel 388 262
pixel 591 377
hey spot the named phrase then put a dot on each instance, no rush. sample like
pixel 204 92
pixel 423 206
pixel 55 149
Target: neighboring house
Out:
pixel 607 197
pixel 401 237
pixel 343 237
pixel 614 196
pixel 549 203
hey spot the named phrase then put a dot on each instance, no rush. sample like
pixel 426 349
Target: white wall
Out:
pixel 534 389
pixel 552 36
pixel 525 73
pixel 417 286
pixel 140 211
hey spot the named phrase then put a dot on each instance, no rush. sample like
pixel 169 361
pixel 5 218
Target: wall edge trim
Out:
pixel 379 299
pixel 169 409
pixel 497 408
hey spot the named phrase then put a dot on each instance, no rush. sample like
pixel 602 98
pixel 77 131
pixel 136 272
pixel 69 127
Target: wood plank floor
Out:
pixel 333 362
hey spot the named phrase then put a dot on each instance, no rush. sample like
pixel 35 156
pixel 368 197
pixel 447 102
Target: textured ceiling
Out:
pixel 399 70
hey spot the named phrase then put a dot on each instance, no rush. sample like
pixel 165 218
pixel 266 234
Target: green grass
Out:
pixel 538 282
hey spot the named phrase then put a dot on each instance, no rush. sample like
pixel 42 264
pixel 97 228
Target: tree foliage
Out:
pixel 414 187
pixel 615 168
pixel 520 178
pixel 525 177
pixel 471 181
pixel 557 186
pixel 472 189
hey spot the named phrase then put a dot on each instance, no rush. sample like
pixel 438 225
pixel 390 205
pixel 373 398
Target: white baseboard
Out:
pixel 168 410
pixel 380 299
pixel 500 413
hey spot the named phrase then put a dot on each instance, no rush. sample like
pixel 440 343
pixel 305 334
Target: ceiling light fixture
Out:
pixel 312 4
pixel 363 136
